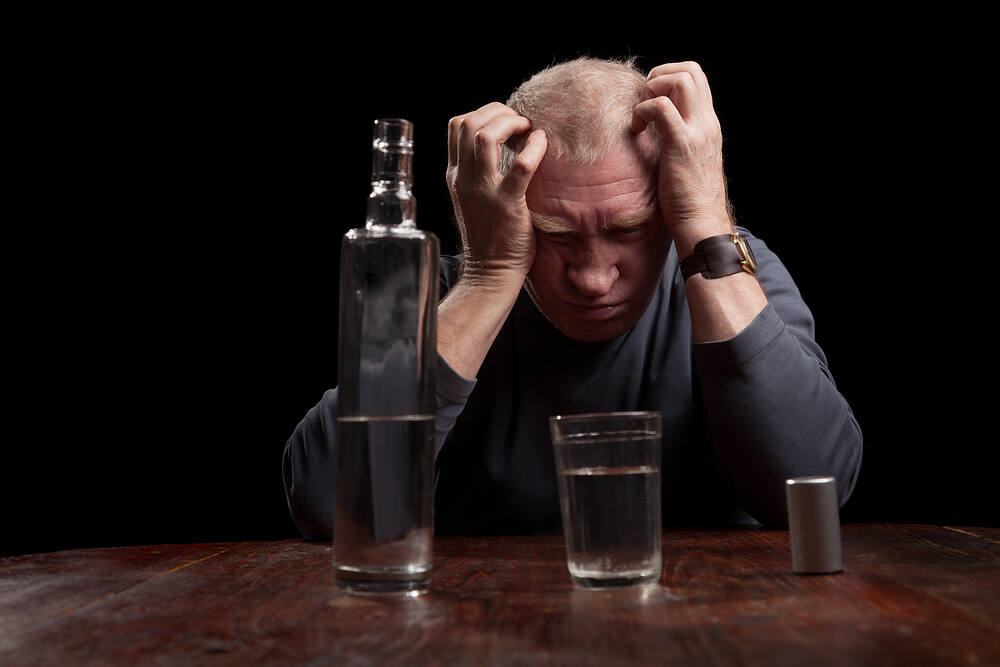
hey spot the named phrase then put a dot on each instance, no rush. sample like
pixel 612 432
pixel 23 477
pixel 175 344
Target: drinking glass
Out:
pixel 608 468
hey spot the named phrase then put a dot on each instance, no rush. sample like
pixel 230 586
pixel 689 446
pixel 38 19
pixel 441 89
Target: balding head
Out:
pixel 585 107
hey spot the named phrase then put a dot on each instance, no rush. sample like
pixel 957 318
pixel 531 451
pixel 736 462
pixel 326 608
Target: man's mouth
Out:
pixel 597 310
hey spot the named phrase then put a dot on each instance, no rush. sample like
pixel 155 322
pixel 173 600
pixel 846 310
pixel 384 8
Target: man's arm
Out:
pixel 772 405
pixel 773 409
pixel 307 469
pixel 498 240
pixel 692 193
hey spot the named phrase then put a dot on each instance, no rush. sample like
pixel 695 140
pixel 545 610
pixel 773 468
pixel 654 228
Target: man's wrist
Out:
pixel 687 235
pixel 471 316
pixel 497 278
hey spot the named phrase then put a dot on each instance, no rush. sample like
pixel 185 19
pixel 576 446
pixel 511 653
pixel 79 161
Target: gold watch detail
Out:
pixel 720 256
pixel 747 259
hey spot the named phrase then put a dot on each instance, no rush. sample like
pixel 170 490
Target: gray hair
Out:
pixel 584 106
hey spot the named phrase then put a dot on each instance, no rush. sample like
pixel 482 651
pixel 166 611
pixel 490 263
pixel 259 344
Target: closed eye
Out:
pixel 557 237
pixel 632 232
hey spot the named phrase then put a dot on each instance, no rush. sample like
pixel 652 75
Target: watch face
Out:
pixel 747 259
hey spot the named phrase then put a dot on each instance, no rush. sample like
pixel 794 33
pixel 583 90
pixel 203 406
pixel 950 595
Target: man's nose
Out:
pixel 593 271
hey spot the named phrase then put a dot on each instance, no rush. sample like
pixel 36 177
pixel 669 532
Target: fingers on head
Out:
pixel 526 163
pixel 660 110
pixel 681 88
pixel 474 139
pixel 687 68
pixel 477 118
pixel 463 128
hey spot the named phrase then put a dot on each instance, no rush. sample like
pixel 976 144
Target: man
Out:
pixel 577 202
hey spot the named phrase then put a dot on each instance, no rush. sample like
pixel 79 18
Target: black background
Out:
pixel 184 182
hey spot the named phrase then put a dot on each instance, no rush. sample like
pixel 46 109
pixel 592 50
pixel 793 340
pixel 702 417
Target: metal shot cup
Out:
pixel 608 470
pixel 814 525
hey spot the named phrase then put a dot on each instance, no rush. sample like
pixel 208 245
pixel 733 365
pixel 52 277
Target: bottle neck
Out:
pixel 391 204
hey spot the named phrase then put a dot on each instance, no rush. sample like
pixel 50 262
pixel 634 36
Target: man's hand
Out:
pixel 692 193
pixel 692 184
pixel 498 240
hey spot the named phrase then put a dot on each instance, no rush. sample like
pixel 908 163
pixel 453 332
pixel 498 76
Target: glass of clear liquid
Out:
pixel 608 468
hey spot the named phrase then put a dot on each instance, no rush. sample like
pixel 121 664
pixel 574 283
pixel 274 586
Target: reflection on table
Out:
pixel 910 594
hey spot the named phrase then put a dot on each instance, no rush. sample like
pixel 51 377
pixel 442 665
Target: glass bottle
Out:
pixel 383 506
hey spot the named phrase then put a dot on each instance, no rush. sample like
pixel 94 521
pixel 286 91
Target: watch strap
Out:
pixel 714 257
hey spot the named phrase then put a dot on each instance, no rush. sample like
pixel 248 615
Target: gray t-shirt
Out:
pixel 739 416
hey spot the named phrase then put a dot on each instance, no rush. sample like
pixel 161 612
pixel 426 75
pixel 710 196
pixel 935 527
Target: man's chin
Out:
pixel 586 325
pixel 592 337
pixel 590 329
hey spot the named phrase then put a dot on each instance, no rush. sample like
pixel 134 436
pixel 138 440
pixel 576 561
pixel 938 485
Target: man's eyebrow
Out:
pixel 551 225
pixel 632 219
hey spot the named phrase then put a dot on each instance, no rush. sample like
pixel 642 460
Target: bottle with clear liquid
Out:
pixel 384 495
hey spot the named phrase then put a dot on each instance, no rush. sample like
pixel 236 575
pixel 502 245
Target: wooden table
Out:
pixel 909 595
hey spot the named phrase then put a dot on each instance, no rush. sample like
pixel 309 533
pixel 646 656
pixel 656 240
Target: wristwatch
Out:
pixel 719 256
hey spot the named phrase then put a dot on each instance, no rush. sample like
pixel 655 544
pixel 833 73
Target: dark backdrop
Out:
pixel 188 183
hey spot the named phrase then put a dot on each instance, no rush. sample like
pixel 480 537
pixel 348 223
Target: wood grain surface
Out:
pixel 909 595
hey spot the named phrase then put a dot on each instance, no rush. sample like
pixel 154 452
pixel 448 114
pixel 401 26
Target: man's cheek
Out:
pixel 547 259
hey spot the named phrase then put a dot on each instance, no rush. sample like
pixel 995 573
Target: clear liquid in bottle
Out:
pixel 383 505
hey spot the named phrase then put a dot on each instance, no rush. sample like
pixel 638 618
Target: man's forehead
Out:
pixel 618 190
pixel 619 174
pixel 608 179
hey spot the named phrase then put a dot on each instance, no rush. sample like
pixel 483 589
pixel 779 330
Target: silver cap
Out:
pixel 814 525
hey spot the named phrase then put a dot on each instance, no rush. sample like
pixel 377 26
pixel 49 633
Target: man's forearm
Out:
pixel 720 307
pixel 470 318
pixel 723 307
pixel 774 413
pixel 773 409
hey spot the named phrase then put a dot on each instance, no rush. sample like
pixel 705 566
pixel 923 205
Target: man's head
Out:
pixel 601 245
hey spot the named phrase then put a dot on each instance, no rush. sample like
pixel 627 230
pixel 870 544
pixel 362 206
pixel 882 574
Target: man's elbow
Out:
pixel 313 518
pixel 842 462
pixel 851 447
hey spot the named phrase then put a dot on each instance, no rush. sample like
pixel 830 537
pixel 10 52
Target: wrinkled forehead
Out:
pixel 639 154
pixel 621 185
